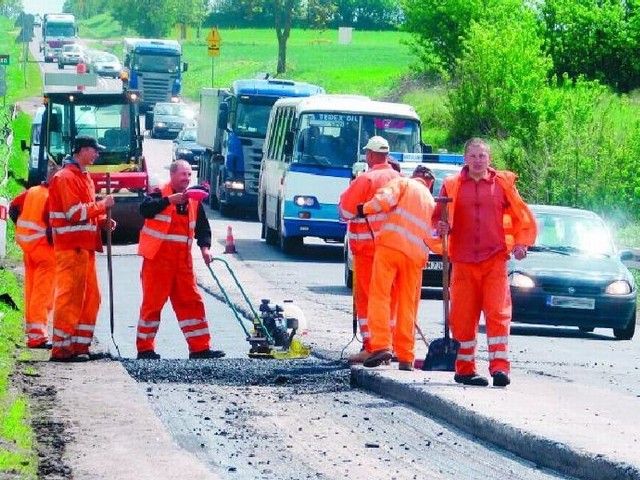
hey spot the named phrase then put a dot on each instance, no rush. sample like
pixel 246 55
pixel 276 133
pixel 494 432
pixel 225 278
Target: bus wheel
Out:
pixel 269 234
pixel 290 244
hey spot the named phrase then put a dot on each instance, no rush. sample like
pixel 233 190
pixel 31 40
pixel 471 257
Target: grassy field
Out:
pixel 373 64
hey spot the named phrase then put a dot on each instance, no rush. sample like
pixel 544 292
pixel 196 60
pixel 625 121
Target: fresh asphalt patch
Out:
pixel 305 375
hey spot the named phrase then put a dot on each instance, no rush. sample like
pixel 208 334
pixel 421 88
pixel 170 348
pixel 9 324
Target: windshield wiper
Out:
pixel 544 248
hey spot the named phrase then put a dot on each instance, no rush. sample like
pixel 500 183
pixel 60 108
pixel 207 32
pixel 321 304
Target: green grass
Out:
pixel 373 64
pixel 17 456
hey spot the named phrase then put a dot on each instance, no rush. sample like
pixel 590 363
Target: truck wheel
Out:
pixel 213 201
pixel 226 210
pixel 60 66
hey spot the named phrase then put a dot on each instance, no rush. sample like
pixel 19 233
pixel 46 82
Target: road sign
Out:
pixel 214 41
pixel 70 79
pixel 25 35
pixel 5 59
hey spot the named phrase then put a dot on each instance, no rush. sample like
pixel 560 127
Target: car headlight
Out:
pixel 183 151
pixel 160 125
pixel 619 287
pixel 519 280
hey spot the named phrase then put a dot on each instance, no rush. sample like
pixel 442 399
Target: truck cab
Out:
pixel 113 119
pixel 232 127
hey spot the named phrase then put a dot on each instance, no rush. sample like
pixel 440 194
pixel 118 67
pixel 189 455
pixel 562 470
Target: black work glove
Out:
pixel 360 209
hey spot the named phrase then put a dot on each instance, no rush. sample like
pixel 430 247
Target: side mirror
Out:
pixel 223 116
pixel 626 256
pixel 185 66
pixel 288 144
pixel 148 120
pixel 23 146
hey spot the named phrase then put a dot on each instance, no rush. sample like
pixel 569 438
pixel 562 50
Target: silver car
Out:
pixel 104 64
pixel 71 54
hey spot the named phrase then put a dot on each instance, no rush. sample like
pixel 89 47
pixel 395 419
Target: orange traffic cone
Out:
pixel 230 247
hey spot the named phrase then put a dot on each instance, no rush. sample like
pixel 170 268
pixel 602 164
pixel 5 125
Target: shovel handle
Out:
pixel 444 201
pixel 109 260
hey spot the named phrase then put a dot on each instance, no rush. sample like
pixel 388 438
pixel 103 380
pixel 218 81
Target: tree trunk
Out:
pixel 283 15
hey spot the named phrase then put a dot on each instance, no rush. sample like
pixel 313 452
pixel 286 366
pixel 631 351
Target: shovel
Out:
pixel 442 352
pixel 110 265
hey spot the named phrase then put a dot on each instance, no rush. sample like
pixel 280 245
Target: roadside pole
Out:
pixel 213 41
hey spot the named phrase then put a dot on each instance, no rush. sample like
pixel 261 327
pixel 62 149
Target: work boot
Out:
pixel 377 358
pixel 473 379
pixel 501 379
pixel 71 359
pixel 148 355
pixel 204 354
pixel 43 346
pixel 358 358
pixel 406 366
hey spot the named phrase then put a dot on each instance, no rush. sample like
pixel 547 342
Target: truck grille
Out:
pixel 155 88
pixel 252 152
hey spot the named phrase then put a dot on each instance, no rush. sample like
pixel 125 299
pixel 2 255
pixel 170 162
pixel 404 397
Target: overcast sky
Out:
pixel 43 6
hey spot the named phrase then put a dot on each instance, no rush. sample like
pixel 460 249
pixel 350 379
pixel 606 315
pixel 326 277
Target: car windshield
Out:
pixel 189 135
pixel 177 109
pixel 572 232
pixel 105 57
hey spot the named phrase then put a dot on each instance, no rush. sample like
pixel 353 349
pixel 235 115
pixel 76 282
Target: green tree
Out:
pixel 499 77
pixel 150 18
pixel 84 9
pixel 438 28
pixel 599 39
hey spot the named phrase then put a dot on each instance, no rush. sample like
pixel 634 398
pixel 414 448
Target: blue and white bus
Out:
pixel 308 158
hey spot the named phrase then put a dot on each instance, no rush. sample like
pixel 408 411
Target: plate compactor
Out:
pixel 274 328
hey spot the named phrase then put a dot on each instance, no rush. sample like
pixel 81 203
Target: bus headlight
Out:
pixel 306 201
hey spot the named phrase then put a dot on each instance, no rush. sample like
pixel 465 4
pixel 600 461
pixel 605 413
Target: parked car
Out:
pixel 71 54
pixel 432 274
pixel 186 148
pixel 168 118
pixel 104 64
pixel 574 276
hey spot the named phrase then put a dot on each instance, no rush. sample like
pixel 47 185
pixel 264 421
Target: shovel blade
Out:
pixel 441 355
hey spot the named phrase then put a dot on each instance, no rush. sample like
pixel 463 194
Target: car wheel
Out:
pixel 627 332
pixel 60 66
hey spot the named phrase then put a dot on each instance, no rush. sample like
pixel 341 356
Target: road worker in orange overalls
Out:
pixel 401 253
pixel 361 241
pixel 30 212
pixel 75 218
pixel 172 221
pixel 488 220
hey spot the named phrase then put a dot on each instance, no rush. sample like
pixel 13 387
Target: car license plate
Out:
pixel 434 265
pixel 571 302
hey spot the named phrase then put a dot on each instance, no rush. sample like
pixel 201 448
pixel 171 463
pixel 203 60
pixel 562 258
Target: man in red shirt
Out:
pixel 361 240
pixel 488 221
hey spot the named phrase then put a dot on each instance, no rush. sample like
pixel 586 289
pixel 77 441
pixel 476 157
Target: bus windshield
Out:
pixel 337 140
pixel 156 63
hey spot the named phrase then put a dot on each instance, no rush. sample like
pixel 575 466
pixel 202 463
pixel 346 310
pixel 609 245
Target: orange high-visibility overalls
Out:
pixel 482 286
pixel 39 263
pixel 361 243
pixel 75 216
pixel 167 273
pixel 400 256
